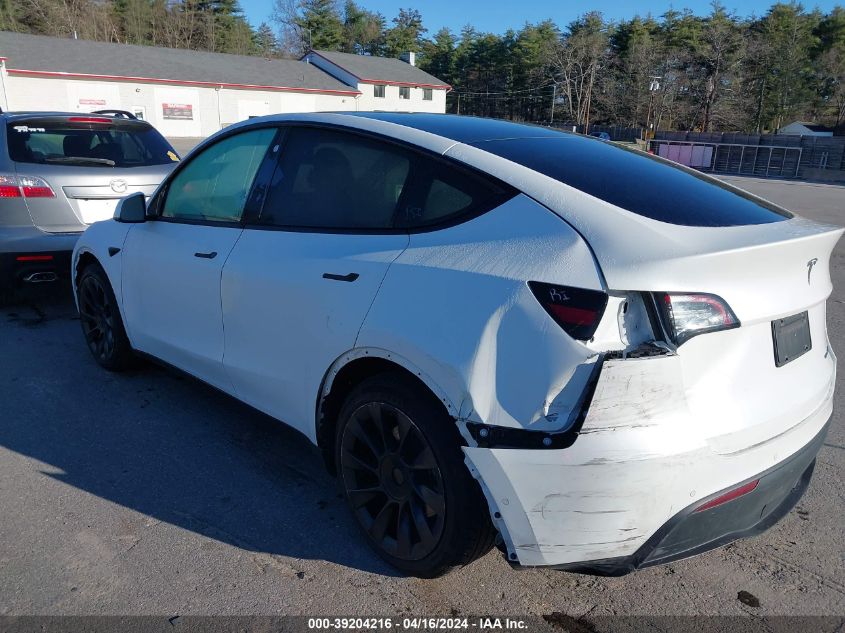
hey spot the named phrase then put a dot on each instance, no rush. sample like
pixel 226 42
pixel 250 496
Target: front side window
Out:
pixel 214 185
pixel 404 92
pixel 378 92
pixel 327 179
pixel 427 94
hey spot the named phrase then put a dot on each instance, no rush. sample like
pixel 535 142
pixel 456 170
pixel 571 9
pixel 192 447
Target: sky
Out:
pixel 497 16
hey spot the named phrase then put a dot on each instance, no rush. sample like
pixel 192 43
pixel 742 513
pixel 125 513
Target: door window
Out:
pixel 214 185
pixel 333 180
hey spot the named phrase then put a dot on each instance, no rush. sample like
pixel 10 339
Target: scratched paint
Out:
pixel 454 308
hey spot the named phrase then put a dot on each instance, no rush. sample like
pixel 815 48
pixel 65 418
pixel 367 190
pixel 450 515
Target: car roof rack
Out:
pixel 121 114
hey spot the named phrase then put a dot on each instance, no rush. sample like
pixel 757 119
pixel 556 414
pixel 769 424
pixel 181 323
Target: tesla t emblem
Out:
pixel 118 185
pixel 810 265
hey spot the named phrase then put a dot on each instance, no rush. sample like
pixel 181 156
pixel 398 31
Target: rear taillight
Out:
pixel 689 314
pixel 576 310
pixel 24 186
pixel 34 187
pixel 9 187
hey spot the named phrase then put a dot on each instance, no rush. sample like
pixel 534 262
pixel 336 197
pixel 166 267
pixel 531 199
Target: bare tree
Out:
pixel 576 63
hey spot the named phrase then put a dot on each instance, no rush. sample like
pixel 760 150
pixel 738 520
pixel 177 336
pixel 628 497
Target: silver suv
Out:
pixel 59 172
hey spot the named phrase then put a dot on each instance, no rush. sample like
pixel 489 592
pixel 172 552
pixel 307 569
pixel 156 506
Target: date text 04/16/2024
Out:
pixel 418 623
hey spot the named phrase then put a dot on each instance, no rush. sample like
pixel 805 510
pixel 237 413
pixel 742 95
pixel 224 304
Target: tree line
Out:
pixel 679 70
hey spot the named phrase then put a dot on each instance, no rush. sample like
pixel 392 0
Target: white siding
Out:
pixel 211 109
pixel 392 103
pixel 198 111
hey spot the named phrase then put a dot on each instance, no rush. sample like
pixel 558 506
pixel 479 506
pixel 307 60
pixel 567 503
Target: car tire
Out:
pixel 401 469
pixel 102 325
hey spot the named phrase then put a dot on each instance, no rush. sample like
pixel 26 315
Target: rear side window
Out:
pixel 443 192
pixel 214 185
pixel 111 143
pixel 635 181
pixel 332 180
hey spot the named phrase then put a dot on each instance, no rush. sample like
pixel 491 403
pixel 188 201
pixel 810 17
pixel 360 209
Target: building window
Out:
pixel 404 92
pixel 378 92
pixel 427 94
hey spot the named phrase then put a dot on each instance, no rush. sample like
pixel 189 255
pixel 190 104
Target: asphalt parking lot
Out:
pixel 149 493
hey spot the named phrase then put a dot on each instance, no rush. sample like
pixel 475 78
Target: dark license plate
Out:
pixel 791 337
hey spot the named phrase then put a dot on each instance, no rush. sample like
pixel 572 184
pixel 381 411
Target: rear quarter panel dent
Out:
pixel 470 322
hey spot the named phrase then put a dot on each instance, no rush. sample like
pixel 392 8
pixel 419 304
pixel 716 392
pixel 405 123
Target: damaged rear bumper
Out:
pixel 622 495
pixel 692 532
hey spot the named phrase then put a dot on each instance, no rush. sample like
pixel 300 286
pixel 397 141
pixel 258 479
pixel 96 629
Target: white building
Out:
pixel 192 93
pixel 388 85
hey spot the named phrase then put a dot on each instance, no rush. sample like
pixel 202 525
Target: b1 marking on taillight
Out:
pixel 577 310
pixel 12 186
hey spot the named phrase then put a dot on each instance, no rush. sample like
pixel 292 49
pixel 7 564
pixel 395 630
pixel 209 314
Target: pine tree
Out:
pixel 319 25
pixel 266 42
pixel 406 33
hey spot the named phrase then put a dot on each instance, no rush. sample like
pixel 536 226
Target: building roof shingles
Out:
pixel 85 57
pixel 381 69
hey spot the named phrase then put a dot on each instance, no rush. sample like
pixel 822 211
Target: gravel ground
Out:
pixel 149 493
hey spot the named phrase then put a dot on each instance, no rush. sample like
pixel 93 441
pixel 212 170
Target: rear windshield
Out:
pixel 118 143
pixel 637 182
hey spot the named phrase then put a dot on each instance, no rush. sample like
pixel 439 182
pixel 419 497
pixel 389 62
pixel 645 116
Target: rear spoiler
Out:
pixel 120 114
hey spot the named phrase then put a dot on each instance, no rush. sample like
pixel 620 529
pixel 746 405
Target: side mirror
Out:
pixel 131 209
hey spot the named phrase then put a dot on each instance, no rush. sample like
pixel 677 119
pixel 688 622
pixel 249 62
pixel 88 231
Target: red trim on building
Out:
pixel 184 82
pixel 381 82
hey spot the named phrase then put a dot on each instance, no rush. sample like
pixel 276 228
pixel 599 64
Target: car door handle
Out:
pixel 210 255
pixel 349 277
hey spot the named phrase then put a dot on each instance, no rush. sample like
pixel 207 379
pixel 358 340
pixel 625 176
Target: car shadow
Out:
pixel 166 445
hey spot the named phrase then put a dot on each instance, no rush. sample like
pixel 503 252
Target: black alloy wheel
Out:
pixel 401 466
pixel 393 481
pixel 97 314
pixel 101 323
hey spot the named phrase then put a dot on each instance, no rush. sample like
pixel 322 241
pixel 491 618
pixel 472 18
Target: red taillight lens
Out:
pixel 688 314
pixel 576 310
pixel 26 186
pixel 34 258
pixel 728 496
pixel 35 187
pixel 9 186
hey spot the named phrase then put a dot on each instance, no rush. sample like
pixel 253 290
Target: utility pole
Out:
pixel 653 87
pixel 554 96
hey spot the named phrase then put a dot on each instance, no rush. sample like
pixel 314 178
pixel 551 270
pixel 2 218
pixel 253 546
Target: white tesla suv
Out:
pixel 497 333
